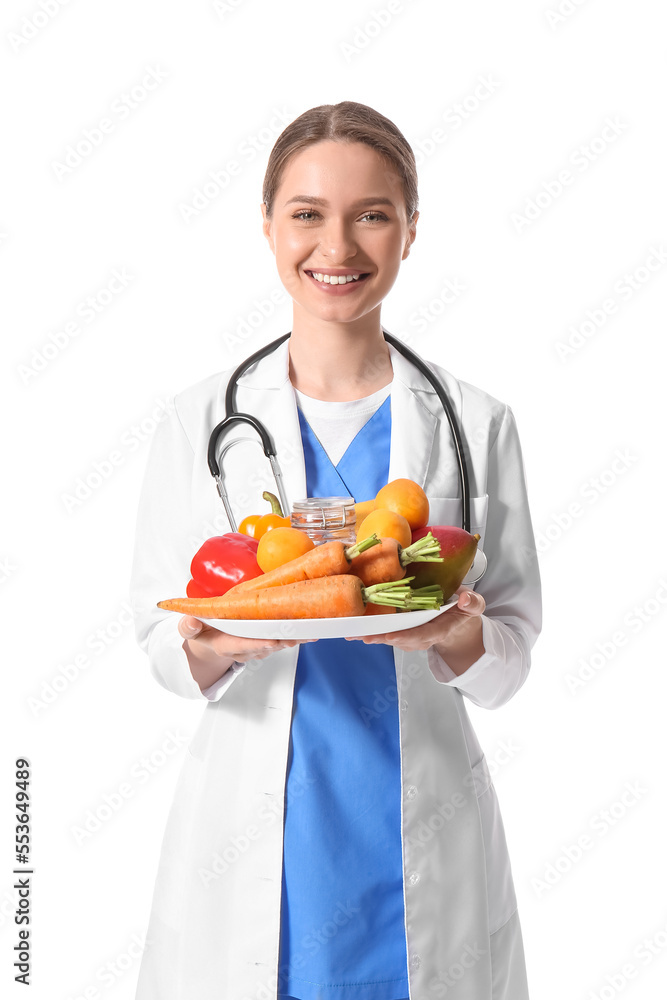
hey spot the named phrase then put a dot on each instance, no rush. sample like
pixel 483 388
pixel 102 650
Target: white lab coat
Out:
pixel 214 926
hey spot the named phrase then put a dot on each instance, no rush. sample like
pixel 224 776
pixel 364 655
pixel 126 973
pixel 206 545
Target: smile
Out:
pixel 337 279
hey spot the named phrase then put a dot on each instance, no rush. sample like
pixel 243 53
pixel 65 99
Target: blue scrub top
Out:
pixel 342 930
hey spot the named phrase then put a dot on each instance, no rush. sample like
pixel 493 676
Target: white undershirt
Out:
pixel 335 424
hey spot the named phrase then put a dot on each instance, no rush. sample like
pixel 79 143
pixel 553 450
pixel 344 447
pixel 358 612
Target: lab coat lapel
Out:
pixel 422 448
pixel 413 426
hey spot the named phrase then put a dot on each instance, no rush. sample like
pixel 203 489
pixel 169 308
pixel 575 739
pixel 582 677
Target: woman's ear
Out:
pixel 412 230
pixel 267 228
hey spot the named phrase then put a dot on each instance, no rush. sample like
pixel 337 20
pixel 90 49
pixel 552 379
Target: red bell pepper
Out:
pixel 222 562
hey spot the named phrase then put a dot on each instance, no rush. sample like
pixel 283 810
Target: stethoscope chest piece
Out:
pixel 477 570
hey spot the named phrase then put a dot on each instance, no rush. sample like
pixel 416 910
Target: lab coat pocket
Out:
pixel 448 510
pixel 499 883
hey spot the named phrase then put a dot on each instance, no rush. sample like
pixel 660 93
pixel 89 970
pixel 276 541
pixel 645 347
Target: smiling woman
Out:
pixel 336 833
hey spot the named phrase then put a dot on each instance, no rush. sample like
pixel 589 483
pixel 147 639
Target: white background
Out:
pixel 220 76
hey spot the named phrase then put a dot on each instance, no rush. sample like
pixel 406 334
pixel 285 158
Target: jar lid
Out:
pixel 325 512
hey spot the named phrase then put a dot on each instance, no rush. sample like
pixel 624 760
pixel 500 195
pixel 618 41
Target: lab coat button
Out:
pixel 404 704
pixel 413 878
pixel 415 961
pixel 411 791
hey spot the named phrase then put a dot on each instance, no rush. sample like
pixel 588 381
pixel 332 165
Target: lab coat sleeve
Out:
pixel 163 550
pixel 511 586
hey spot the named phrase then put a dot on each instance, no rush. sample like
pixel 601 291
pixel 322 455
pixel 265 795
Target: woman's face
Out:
pixel 339 208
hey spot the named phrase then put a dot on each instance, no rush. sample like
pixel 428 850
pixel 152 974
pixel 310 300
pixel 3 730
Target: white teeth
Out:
pixel 335 279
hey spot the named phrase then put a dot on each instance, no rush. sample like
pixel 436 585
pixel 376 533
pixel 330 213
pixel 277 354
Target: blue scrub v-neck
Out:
pixel 342 924
pixel 362 470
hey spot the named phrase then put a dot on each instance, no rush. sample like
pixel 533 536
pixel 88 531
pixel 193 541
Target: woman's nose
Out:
pixel 338 241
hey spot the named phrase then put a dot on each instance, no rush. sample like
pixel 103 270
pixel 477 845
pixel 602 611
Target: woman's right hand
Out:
pixel 211 652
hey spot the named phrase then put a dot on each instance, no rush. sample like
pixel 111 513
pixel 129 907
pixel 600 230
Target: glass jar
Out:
pixel 326 518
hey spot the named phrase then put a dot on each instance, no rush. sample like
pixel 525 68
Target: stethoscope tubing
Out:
pixel 429 374
pixel 232 417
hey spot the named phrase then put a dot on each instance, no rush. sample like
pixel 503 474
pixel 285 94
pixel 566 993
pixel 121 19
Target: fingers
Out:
pixel 470 602
pixel 189 627
pixel 260 649
pixel 223 644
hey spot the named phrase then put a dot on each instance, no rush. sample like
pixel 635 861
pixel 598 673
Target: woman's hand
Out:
pixel 456 634
pixel 211 652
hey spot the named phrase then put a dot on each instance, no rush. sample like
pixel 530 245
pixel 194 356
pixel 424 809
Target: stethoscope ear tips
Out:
pixel 477 570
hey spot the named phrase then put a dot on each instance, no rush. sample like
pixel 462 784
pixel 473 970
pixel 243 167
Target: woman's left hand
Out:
pixel 457 627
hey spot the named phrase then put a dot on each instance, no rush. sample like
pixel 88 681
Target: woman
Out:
pixel 335 831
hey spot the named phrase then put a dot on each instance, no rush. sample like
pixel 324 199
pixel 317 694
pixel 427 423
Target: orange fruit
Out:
pixel 386 524
pixel 279 545
pixel 405 497
pixel 363 509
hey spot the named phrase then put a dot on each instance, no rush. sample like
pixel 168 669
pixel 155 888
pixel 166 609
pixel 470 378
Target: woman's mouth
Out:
pixel 337 284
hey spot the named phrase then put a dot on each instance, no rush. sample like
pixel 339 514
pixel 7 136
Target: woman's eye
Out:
pixel 306 211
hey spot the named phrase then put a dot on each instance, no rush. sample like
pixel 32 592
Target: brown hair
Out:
pixel 347 121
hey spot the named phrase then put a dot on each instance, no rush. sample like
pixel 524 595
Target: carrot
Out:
pixel 339 596
pixel 380 609
pixel 388 560
pixel 327 559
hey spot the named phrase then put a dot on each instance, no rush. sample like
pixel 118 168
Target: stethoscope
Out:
pixel 232 417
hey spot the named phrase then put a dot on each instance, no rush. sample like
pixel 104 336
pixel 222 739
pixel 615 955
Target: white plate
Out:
pixel 325 628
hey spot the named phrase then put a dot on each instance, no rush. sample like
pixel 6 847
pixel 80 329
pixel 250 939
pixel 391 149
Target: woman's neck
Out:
pixel 338 362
